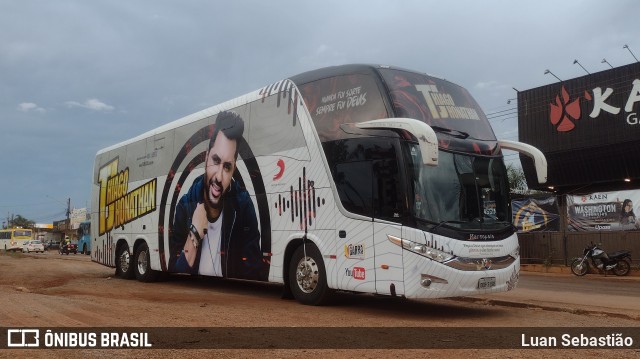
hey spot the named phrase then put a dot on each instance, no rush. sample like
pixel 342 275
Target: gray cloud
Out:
pixel 30 106
pixel 90 104
pixel 70 68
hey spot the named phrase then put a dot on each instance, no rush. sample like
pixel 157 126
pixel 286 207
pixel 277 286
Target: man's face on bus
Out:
pixel 219 169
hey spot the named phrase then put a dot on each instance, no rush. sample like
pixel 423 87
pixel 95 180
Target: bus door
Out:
pixel 369 183
pixel 355 269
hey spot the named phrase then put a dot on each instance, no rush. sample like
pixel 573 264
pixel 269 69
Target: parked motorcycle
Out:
pixel 596 258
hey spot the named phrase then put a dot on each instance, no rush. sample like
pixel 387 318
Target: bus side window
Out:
pixel 387 201
pixel 353 182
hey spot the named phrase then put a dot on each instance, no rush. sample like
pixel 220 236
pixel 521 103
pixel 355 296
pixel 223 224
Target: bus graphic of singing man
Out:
pixel 215 228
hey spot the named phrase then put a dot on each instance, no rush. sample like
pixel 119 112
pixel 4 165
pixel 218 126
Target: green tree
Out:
pixel 19 221
pixel 517 181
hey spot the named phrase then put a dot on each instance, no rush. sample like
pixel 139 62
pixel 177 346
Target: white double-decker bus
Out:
pixel 354 178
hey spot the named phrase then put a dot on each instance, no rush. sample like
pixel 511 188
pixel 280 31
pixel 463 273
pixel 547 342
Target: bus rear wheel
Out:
pixel 308 277
pixel 124 269
pixel 143 270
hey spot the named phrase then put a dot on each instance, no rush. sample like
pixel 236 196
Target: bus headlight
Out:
pixel 421 249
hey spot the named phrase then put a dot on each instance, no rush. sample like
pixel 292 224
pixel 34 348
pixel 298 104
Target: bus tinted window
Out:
pixel 436 102
pixel 386 194
pixel 353 181
pixel 367 176
pixel 342 99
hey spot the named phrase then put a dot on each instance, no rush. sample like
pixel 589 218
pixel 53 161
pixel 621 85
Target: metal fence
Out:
pixel 557 248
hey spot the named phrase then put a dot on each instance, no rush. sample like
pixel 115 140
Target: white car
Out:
pixel 33 246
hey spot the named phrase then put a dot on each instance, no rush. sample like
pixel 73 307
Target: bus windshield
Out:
pixel 436 102
pixel 22 234
pixel 463 191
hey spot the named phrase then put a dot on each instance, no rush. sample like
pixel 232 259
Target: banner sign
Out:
pixel 590 119
pixel 608 211
pixel 18 342
pixel 536 214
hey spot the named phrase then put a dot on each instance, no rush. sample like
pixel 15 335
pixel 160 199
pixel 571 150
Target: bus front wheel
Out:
pixel 308 277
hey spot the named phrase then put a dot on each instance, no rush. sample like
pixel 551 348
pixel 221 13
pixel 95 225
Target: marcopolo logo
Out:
pixel 565 111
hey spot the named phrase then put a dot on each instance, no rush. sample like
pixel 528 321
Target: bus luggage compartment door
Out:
pixel 389 269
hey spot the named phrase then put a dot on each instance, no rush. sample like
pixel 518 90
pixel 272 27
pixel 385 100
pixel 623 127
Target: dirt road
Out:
pixel 50 290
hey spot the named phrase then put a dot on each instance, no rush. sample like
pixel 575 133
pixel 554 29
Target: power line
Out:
pixel 502 115
pixel 489 114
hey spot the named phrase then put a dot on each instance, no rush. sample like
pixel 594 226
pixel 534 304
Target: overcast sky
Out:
pixel 79 75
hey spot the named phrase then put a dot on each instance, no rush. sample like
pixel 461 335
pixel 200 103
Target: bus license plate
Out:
pixel 486 282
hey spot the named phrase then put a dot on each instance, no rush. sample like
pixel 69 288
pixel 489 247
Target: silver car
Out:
pixel 33 246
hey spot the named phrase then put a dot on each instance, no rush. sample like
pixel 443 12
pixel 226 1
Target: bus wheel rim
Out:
pixel 307 275
pixel 142 262
pixel 124 261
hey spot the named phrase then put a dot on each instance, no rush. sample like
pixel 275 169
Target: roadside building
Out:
pixel 589 130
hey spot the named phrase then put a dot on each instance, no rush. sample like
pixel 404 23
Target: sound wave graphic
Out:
pixel 302 202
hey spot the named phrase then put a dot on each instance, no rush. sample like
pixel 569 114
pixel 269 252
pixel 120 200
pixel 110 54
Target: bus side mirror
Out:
pixel 426 136
pixel 539 160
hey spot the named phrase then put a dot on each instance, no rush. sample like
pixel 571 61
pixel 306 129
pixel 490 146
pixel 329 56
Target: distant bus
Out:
pixel 14 237
pixel 356 178
pixel 84 237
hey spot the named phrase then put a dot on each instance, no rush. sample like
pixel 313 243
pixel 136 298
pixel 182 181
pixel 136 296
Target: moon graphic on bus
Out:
pixel 279 174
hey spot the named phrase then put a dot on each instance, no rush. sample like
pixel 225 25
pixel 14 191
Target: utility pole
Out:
pixel 68 224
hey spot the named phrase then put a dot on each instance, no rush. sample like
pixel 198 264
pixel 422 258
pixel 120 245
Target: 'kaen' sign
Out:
pixel 590 120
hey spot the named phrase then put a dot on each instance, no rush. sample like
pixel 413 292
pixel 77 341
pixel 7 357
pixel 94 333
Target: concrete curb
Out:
pixel 532 303
pixel 557 308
